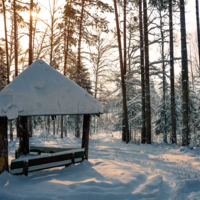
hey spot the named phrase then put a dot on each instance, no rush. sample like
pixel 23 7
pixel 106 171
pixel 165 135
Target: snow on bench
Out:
pixel 61 157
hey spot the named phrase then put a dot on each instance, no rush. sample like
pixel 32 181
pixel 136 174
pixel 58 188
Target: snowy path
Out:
pixel 160 159
pixel 179 167
pixel 115 171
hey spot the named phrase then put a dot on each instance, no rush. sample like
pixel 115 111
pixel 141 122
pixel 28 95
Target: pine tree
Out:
pixel 123 85
pixel 6 41
pixel 147 86
pixel 198 29
pixel 143 137
pixel 173 100
pixel 3 69
pixel 185 86
pixel 15 38
pixel 29 119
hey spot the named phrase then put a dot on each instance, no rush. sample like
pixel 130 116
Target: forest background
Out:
pixel 81 40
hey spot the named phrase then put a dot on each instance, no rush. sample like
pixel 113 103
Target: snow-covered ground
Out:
pixel 114 171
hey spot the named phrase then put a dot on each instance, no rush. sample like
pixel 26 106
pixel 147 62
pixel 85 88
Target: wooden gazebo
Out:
pixel 40 90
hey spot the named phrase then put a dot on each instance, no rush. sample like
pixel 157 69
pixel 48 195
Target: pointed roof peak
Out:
pixel 41 90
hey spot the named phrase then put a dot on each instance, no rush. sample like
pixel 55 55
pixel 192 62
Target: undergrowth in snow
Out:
pixel 114 171
pixel 46 135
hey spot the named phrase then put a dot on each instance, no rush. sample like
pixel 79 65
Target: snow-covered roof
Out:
pixel 41 90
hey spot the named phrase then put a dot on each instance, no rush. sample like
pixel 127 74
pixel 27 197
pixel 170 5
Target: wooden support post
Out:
pixel 3 145
pixel 53 117
pixel 25 168
pixel 86 131
pixel 73 159
pixel 24 136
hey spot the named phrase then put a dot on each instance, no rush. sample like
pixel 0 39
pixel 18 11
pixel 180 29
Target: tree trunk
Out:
pixel 164 78
pixel 3 145
pixel 24 137
pixel 15 40
pixel 65 125
pixel 29 119
pixel 173 103
pixel 34 33
pixel 30 58
pixel 125 118
pixel 11 130
pixel 125 113
pixel 192 76
pixel 124 37
pixel 198 30
pixel 58 125
pixel 54 127
pixel 86 131
pixel 31 34
pixel 78 70
pixel 67 45
pixel 147 84
pixel 17 126
pixel 65 66
pixel 143 137
pixel 6 41
pixel 61 126
pixel 48 124
pixel 77 128
pixel 185 85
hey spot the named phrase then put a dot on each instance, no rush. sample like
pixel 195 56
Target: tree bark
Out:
pixel 77 128
pixel 11 131
pixel 6 41
pixel 65 125
pixel 65 61
pixel 61 126
pixel 30 58
pixel 125 113
pixel 67 45
pixel 16 61
pixel 78 69
pixel 15 40
pixel 143 137
pixel 78 72
pixel 185 85
pixel 164 78
pixel 24 137
pixel 86 131
pixel 147 84
pixel 198 30
pixel 125 118
pixel 124 37
pixel 3 145
pixel 53 117
pixel 31 34
pixel 173 102
pixel 48 124
pixel 58 125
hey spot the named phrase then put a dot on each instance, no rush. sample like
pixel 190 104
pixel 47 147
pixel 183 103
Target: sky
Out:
pixel 190 16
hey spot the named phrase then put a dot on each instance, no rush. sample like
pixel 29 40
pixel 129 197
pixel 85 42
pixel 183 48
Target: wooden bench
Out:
pixel 54 157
